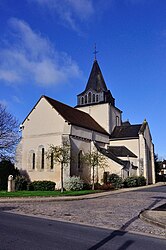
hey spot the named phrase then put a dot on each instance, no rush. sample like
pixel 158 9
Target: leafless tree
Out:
pixel 9 135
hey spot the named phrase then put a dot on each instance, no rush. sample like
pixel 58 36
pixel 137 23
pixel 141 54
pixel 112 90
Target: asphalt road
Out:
pixel 24 232
pixel 159 189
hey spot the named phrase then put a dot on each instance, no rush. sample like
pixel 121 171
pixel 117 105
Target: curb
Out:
pixel 144 215
pixel 73 198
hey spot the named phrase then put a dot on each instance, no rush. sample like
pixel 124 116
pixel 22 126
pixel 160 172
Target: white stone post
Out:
pixel 11 184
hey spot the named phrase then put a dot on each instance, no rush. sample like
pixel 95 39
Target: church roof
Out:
pixel 130 131
pixel 110 155
pixel 96 81
pixel 75 116
pixel 121 151
pixel 96 84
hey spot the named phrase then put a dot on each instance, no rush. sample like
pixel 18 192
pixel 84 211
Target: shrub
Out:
pixel 73 183
pixel 135 181
pixel 115 180
pixel 21 183
pixel 130 181
pixel 97 186
pixel 42 186
pixel 87 186
pixel 141 181
pixel 107 186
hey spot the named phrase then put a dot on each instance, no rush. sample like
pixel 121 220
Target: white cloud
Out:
pixel 69 11
pixel 30 56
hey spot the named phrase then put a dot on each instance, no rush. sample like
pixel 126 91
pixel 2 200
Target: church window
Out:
pixel 42 158
pixel 97 98
pixel 82 100
pixel 117 120
pixel 52 161
pixel 33 161
pixel 89 97
pixel 93 98
pixel 79 159
pixel 85 98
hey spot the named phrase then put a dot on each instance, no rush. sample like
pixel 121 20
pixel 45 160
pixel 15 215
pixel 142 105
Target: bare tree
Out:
pixel 9 136
pixel 60 154
pixel 94 159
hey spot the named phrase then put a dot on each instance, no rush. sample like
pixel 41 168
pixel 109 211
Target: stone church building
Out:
pixel 95 124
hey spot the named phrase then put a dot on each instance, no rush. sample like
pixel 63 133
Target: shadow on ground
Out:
pixel 122 231
pixel 2 209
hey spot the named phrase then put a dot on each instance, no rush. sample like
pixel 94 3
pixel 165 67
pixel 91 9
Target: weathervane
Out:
pixel 95 52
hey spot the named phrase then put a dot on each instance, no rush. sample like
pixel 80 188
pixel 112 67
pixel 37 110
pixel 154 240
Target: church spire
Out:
pixel 96 91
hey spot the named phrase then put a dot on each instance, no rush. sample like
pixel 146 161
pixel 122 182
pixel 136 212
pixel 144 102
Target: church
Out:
pixel 93 125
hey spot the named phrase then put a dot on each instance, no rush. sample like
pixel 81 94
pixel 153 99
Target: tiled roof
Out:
pixel 121 132
pixel 121 151
pixel 75 116
pixel 110 155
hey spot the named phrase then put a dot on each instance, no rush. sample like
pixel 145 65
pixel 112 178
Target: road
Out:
pixel 25 232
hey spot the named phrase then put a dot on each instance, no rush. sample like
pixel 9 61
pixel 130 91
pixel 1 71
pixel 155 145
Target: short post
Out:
pixel 11 184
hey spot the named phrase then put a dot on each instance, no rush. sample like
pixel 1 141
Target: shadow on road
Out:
pixel 122 231
pixel 2 209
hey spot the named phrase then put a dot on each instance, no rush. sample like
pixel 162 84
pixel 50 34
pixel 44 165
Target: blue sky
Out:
pixel 46 47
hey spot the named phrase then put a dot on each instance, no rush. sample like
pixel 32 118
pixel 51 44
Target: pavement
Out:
pixel 155 216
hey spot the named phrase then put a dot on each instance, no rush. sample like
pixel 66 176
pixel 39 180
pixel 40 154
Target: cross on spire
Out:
pixel 95 52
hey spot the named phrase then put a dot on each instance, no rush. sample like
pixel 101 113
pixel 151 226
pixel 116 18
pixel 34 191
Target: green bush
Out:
pixel 141 181
pixel 135 181
pixel 21 183
pixel 115 180
pixel 87 186
pixel 73 183
pixel 42 186
pixel 7 168
pixel 130 181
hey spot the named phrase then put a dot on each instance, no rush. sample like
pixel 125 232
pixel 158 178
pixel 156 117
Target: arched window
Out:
pixel 97 98
pixel 42 158
pixel 79 159
pixel 85 98
pixel 93 98
pixel 33 161
pixel 52 161
pixel 89 97
pixel 117 120
pixel 82 100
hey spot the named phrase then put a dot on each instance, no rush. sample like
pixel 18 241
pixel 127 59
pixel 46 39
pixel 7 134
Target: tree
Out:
pixel 9 136
pixel 7 168
pixel 94 159
pixel 60 154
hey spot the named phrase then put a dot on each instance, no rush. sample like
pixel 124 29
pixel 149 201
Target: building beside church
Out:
pixel 95 124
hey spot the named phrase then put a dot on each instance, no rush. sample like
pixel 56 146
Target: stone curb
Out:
pixel 147 217
pixel 72 198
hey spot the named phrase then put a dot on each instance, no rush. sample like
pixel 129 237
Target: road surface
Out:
pixel 25 232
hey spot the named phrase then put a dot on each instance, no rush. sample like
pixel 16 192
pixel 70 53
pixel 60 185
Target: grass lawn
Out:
pixel 46 193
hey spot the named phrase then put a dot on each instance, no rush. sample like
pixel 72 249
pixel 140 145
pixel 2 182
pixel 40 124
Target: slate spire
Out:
pixel 96 91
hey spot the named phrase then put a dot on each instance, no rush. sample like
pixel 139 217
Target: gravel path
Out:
pixel 118 211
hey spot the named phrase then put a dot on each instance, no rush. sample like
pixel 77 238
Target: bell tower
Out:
pixel 97 100
pixel 96 91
